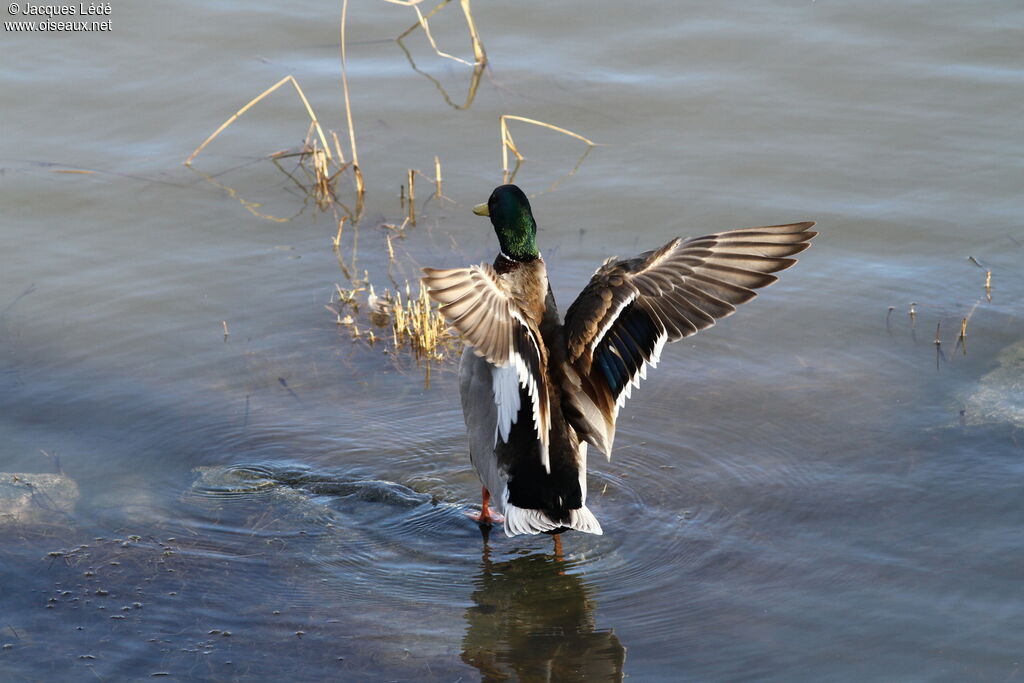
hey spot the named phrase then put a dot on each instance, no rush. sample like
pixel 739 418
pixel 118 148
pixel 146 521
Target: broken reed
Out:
pixel 319 154
pixel 479 56
pixel 409 203
pixel 508 144
pixel 234 117
pixel 315 158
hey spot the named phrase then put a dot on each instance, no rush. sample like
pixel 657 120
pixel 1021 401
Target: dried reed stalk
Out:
pixel 356 169
pixel 251 207
pixel 478 47
pixel 507 143
pixel 429 14
pixel 479 55
pixel 336 240
pixel 337 148
pixel 412 196
pixel 474 81
pixel 988 276
pixel 252 102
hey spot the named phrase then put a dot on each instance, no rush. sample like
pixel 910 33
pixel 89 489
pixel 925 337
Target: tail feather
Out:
pixel 585 521
pixel 524 521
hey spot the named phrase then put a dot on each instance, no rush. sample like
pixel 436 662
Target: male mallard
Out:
pixel 536 390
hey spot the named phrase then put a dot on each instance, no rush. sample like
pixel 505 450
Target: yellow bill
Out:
pixel 481 210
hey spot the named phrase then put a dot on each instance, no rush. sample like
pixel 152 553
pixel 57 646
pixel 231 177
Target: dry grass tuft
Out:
pixel 418 323
pixel 414 322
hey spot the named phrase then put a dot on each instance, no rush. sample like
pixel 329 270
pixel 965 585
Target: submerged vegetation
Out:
pixel 399 319
pixel 961 320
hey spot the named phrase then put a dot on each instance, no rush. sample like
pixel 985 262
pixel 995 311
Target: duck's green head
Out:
pixel 513 222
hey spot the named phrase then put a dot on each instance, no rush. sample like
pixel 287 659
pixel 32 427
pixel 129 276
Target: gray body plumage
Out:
pixel 481 415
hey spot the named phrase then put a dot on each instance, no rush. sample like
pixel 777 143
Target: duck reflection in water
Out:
pixel 531 620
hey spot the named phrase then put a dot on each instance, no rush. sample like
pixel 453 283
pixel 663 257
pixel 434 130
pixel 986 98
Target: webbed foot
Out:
pixel 486 514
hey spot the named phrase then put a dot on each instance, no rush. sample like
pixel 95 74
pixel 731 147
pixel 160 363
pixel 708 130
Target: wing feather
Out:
pixel 478 304
pixel 631 308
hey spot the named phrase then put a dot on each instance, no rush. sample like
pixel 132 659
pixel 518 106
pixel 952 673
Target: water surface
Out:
pixel 811 490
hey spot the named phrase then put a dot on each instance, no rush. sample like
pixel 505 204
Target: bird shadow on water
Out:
pixel 533 619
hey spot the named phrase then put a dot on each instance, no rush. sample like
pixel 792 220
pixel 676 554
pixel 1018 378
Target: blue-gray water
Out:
pixel 811 490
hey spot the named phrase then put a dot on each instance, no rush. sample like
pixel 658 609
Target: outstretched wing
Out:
pixel 622 319
pixel 477 304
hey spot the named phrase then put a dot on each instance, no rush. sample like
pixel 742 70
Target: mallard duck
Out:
pixel 536 389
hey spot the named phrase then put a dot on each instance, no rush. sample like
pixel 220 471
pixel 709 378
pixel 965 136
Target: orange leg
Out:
pixel 486 514
pixel 558 548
